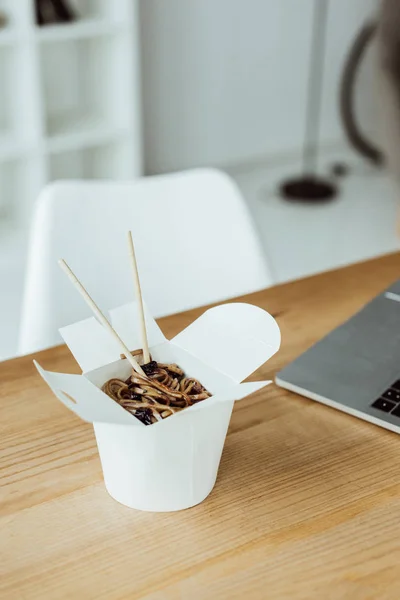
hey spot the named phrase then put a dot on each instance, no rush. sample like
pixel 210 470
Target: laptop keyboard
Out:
pixel 389 401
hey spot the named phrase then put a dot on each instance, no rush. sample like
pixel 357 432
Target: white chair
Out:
pixel 194 239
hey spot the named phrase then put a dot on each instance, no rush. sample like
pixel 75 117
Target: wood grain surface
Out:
pixel 306 504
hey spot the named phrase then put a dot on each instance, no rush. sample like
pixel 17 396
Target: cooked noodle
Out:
pixel 163 391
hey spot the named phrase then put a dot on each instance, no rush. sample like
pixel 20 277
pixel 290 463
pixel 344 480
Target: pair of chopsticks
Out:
pixel 103 320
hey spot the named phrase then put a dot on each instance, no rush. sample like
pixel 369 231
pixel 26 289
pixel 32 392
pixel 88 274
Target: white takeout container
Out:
pixel 172 464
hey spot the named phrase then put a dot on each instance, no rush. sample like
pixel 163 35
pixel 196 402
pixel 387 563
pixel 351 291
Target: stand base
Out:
pixel 308 189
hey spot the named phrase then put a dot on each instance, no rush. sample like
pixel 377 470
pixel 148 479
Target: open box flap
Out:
pixel 234 338
pixel 93 347
pixel 86 400
pixel 125 321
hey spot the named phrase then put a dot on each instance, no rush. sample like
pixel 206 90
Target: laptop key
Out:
pixel 396 385
pixel 391 395
pixel 396 411
pixel 384 405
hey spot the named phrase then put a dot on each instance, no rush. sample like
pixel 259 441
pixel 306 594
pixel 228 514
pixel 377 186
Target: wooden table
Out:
pixel 306 504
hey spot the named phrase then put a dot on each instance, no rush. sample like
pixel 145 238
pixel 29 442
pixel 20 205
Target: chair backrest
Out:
pixel 194 238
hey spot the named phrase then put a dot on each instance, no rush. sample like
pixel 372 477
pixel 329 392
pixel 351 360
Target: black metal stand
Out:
pixel 310 187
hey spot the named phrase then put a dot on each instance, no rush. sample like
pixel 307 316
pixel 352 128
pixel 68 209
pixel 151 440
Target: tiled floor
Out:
pixel 298 239
pixel 301 239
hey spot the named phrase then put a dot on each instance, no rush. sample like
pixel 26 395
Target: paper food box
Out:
pixel 173 463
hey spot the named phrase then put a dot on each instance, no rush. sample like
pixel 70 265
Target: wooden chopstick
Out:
pixel 97 312
pixel 139 299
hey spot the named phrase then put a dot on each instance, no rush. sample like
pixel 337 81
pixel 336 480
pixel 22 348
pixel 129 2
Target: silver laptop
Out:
pixel 356 367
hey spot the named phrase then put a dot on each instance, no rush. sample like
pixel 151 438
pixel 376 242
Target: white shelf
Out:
pixel 11 183
pixel 8 37
pixel 8 83
pixel 11 146
pixel 83 29
pixel 69 99
pixel 75 131
pixel 100 161
pixel 75 98
pixel 110 10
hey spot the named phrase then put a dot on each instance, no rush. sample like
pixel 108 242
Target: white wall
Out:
pixel 224 81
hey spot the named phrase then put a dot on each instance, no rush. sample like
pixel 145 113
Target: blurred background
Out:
pixel 94 89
